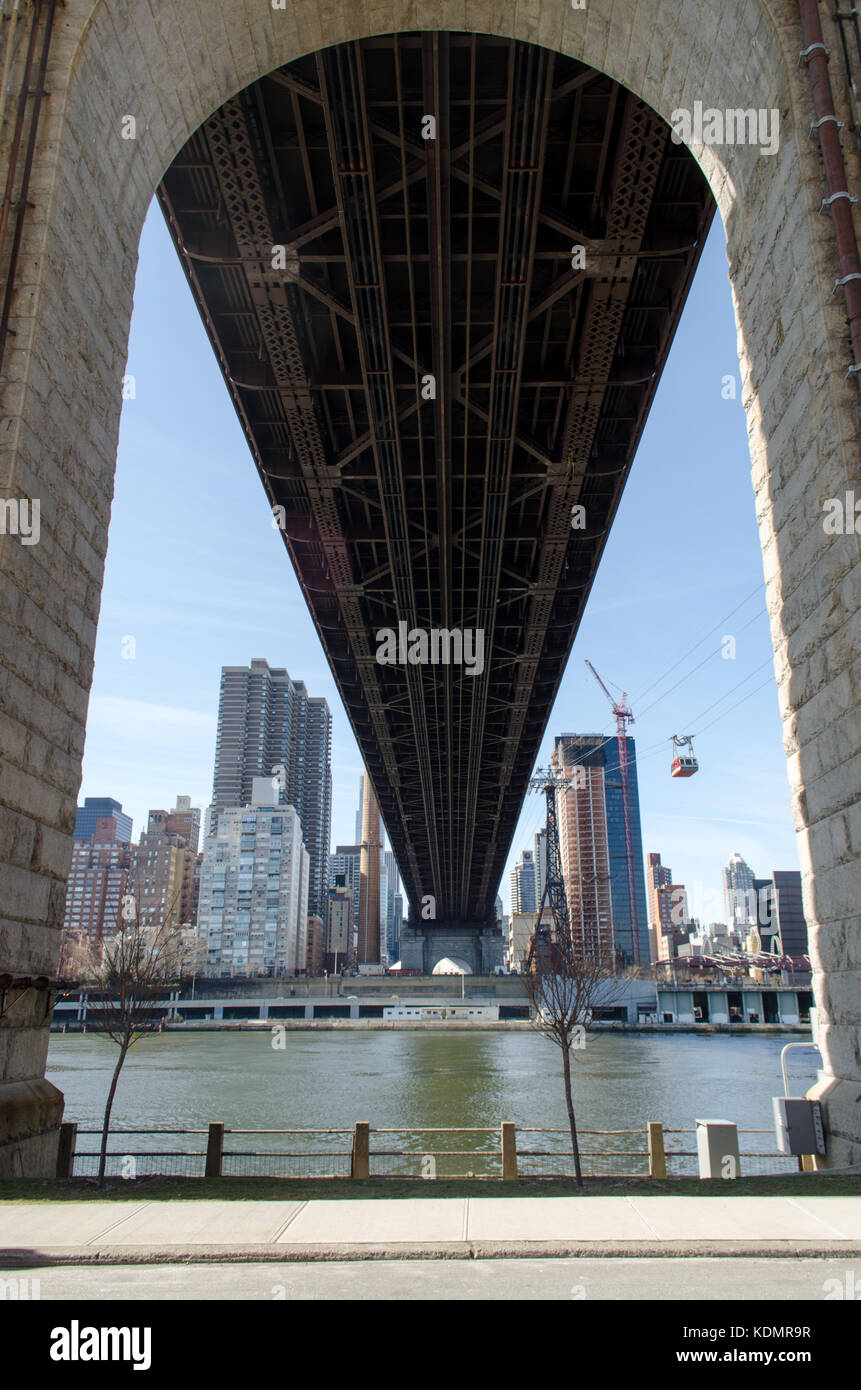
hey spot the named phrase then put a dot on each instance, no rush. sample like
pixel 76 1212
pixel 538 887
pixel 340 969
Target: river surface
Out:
pixel 422 1080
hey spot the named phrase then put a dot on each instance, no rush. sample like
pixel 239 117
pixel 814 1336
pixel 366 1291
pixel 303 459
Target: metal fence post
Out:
pixel 214 1151
pixel 509 1151
pixel 657 1156
pixel 66 1150
pixel 360 1161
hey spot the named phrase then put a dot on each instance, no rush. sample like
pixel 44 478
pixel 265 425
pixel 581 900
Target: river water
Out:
pixel 426 1080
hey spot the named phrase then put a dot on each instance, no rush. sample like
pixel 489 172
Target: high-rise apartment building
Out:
pixel 669 921
pixel 347 860
pixel 389 885
pixel 368 947
pixel 361 808
pixel 253 912
pixel 98 881
pixel 788 922
pixel 523 884
pixel 96 808
pixel 183 820
pixel 604 842
pixel 339 936
pixel 738 891
pixel 165 872
pixel 316 945
pixel 269 726
pixel 584 850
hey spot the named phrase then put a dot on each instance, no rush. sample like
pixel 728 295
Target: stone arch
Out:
pixel 62 399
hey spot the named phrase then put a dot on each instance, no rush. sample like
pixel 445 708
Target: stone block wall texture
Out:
pixel 170 65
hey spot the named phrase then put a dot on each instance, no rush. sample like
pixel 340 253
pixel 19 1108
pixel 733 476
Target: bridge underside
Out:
pixel 438 347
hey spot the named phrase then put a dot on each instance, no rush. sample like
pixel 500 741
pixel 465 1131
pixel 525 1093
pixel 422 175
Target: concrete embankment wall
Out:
pixel 434 1025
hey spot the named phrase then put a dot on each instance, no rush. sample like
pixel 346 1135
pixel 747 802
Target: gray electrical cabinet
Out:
pixel 717 1148
pixel 798 1125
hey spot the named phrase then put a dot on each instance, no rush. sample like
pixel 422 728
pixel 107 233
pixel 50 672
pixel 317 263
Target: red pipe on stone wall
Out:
pixel 815 55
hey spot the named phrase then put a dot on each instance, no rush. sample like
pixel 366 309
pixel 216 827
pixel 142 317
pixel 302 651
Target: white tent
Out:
pixel 447 966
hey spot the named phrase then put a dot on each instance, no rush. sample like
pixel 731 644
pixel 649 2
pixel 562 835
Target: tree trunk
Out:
pixel 106 1123
pixel 569 1102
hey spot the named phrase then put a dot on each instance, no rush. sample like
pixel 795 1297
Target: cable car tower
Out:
pixel 625 716
pixel 549 781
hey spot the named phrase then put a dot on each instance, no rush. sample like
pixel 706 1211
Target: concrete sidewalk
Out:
pixel 148 1232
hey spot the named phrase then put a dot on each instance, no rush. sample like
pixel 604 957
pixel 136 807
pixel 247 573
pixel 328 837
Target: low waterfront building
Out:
pixel 786 1001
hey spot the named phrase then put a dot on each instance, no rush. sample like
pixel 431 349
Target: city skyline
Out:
pixel 153 712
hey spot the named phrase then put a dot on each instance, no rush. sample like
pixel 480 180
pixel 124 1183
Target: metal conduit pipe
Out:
pixel 12 20
pixel 18 135
pixel 839 199
pixel 22 204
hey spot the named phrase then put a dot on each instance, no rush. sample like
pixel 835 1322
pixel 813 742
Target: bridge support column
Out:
pixel 477 945
pixel 30 1107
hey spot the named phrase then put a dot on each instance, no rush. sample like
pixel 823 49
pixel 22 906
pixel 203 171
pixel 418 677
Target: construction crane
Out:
pixel 625 716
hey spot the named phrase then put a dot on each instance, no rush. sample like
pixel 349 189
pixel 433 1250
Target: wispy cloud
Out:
pixel 116 715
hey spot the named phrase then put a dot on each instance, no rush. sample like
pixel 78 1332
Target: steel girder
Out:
pixel 429 381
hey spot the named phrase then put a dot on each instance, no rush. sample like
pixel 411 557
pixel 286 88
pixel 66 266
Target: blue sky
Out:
pixel 198 578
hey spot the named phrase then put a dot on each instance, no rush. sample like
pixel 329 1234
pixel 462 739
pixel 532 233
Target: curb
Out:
pixel 20 1258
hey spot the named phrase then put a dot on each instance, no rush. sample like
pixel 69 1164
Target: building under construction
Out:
pixel 602 845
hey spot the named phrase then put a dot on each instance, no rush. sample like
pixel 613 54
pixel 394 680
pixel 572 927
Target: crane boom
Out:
pixel 622 710
pixel 602 685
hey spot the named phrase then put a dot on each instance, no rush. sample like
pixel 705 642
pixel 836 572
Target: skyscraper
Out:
pixel 738 891
pixel 668 910
pixel 96 808
pixel 347 860
pixel 269 726
pixel 165 865
pixel 368 947
pixel 523 883
pixel 585 855
pixel 339 935
pixel 183 820
pixel 98 880
pixel 612 812
pixel 782 923
pixel 253 914
pixel 392 922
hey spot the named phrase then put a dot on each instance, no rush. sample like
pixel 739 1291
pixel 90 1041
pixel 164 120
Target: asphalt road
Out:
pixel 568 1279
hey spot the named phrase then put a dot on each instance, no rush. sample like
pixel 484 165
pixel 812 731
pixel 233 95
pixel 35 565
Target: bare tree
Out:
pixel 78 964
pixel 137 964
pixel 565 986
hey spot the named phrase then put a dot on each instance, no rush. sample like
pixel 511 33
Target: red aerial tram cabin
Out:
pixel 684 764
